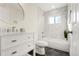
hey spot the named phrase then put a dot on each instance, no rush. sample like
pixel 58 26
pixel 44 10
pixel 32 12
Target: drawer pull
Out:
pixel 13 40
pixel 14 52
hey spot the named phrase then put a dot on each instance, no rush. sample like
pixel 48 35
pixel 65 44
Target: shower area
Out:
pixel 55 32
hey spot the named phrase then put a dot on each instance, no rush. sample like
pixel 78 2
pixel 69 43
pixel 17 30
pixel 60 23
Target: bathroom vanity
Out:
pixel 16 44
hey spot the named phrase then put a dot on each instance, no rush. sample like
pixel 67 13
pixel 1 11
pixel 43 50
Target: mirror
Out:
pixel 11 13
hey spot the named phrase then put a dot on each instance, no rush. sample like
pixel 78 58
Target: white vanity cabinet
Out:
pixel 16 44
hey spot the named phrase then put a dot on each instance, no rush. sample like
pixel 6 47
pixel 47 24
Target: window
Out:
pixel 51 20
pixel 57 19
pixel 54 19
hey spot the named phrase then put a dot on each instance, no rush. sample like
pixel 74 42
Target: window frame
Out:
pixel 54 20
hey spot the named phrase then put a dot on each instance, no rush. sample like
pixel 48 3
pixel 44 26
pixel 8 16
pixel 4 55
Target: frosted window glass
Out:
pixel 57 19
pixel 51 20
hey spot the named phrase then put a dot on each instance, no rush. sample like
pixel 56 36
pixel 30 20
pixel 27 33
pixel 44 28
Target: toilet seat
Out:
pixel 41 43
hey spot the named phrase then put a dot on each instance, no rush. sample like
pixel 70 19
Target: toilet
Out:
pixel 40 47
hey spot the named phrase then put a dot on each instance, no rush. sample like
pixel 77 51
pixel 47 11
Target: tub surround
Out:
pixel 59 44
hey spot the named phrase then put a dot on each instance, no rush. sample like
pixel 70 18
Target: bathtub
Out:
pixel 59 44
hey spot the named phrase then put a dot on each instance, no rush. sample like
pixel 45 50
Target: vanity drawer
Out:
pixel 30 46
pixel 26 49
pixel 17 50
pixel 8 42
pixel 13 51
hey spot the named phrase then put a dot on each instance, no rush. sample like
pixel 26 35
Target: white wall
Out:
pixel 56 31
pixel 33 17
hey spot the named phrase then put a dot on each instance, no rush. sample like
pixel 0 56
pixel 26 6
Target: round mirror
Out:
pixel 11 13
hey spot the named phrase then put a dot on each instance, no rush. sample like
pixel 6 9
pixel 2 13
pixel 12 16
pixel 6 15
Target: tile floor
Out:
pixel 55 52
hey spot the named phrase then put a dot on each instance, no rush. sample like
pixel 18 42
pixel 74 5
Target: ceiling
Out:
pixel 49 6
